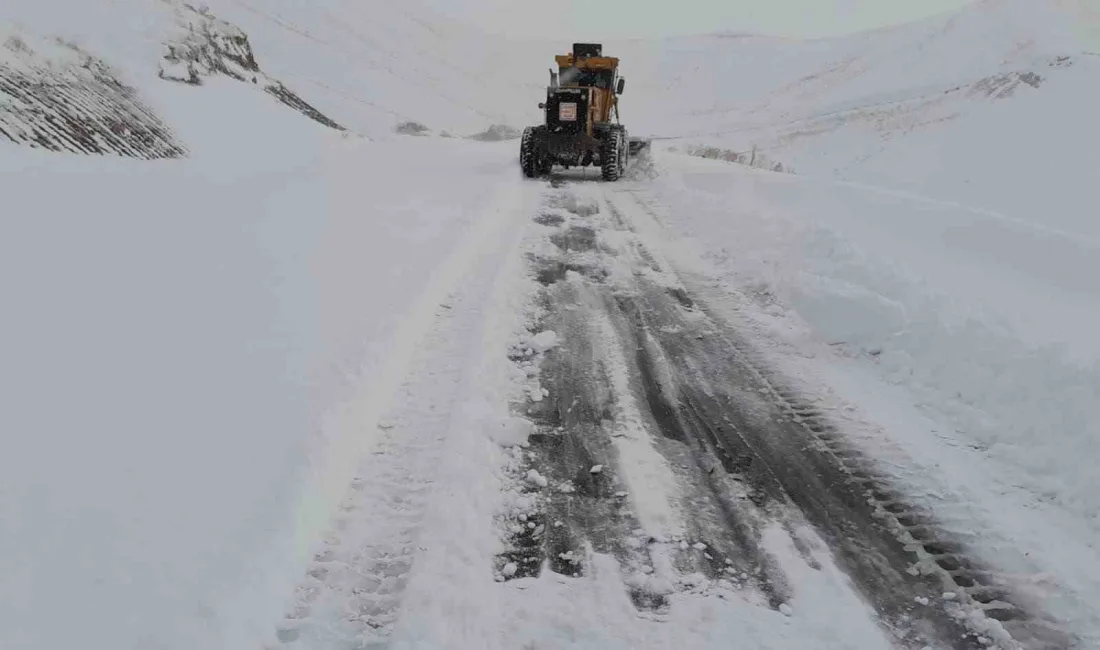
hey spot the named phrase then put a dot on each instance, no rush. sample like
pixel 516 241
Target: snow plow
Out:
pixel 577 128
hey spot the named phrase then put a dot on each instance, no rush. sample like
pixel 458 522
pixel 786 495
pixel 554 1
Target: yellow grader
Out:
pixel 577 129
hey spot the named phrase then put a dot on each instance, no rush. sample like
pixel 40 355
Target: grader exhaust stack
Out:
pixel 581 118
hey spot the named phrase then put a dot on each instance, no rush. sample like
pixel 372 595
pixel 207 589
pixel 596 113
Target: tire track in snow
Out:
pixel 573 502
pixel 355 588
pixel 744 451
pixel 888 545
pixel 594 476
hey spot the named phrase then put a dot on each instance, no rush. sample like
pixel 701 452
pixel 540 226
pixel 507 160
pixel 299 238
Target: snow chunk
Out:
pixel 538 479
pixel 511 432
pixel 509 569
pixel 786 610
pixel 543 341
pixel 497 133
pixel 596 469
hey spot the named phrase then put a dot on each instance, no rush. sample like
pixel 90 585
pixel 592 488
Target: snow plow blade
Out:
pixel 638 145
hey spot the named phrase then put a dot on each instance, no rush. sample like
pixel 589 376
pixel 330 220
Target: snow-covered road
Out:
pixel 550 420
pixel 590 446
pixel 289 377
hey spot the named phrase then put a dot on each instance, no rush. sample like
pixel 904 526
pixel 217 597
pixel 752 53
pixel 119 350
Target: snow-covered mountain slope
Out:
pixel 347 66
pixel 991 106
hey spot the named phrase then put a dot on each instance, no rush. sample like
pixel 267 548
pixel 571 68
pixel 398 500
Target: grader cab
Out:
pixel 581 118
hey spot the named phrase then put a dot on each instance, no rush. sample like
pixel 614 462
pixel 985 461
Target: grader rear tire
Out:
pixel 613 156
pixel 528 154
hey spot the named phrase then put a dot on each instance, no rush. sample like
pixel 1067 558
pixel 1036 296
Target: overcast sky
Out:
pixel 604 19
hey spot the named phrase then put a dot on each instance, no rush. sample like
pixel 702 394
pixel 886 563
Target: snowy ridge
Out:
pixel 372 67
pixel 939 106
pixel 211 46
pixel 336 62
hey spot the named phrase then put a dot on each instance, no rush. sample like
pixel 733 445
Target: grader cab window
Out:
pixel 586 78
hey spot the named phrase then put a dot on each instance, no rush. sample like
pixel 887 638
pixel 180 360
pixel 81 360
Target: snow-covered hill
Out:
pixel 346 65
pixel 991 106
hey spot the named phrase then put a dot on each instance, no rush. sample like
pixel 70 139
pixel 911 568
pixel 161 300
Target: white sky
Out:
pixel 609 19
